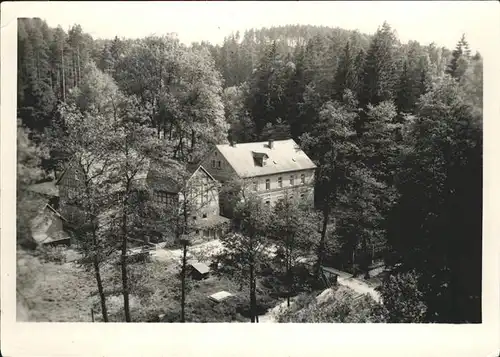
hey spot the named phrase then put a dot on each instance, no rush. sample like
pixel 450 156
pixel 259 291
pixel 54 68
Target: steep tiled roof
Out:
pixel 150 173
pixel 159 181
pixel 284 156
pixel 48 188
pixel 95 165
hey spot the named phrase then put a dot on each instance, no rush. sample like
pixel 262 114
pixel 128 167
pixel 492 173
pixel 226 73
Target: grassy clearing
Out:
pixel 52 292
pixel 62 291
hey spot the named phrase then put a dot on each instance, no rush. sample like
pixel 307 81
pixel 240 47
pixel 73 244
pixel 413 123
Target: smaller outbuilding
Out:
pixel 198 270
pixel 220 296
pixel 329 276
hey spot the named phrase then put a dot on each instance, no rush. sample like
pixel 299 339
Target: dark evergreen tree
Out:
pixel 346 76
pixel 380 70
pixel 436 224
pixel 459 60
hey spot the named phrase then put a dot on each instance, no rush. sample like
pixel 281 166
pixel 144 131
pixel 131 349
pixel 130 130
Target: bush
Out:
pixel 341 305
pixel 205 310
pixel 51 254
pixel 403 299
pixel 264 303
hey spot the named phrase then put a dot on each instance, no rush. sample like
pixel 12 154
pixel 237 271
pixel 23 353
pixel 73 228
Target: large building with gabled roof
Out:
pixel 274 169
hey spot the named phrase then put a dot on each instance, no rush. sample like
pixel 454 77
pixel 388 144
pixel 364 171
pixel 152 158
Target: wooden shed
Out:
pixel 199 271
pixel 329 276
pixel 220 296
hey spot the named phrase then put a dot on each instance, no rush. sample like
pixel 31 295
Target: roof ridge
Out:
pixel 258 142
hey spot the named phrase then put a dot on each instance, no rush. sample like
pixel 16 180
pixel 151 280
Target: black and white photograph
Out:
pixel 249 162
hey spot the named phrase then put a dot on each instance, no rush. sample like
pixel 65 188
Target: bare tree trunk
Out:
pixel 353 260
pixel 183 280
pixel 193 139
pixel 321 246
pixel 98 278
pixel 289 276
pixel 365 260
pixel 170 131
pixel 78 65
pixel 73 70
pixel 63 78
pixel 126 306
pixel 100 290
pixel 252 294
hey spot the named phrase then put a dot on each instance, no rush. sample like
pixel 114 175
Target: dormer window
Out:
pixel 259 158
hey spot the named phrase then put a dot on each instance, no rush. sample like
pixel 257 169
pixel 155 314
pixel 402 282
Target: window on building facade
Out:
pixel 302 179
pixel 213 164
pixel 268 203
pixel 170 200
pixel 291 180
pixel 268 184
pixel 218 164
pixel 161 197
pixel 255 186
pixel 280 182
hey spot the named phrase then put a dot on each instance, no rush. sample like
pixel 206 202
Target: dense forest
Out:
pixel 395 129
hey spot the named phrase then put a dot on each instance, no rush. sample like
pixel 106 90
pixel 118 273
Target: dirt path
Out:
pixel 357 285
pixel 270 315
pixel 360 287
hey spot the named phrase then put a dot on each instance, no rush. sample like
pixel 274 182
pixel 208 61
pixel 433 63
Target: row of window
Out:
pixel 167 199
pixel 163 198
pixel 280 182
pixel 290 197
pixel 209 232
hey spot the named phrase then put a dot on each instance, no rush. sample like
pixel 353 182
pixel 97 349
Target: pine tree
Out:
pixel 331 145
pixel 263 102
pixel 107 60
pixel 380 76
pixel 404 98
pixel 436 222
pixel 460 58
pixel 245 250
pixel 346 76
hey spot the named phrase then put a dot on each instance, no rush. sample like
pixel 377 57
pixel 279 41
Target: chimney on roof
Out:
pixel 231 138
pixel 271 143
